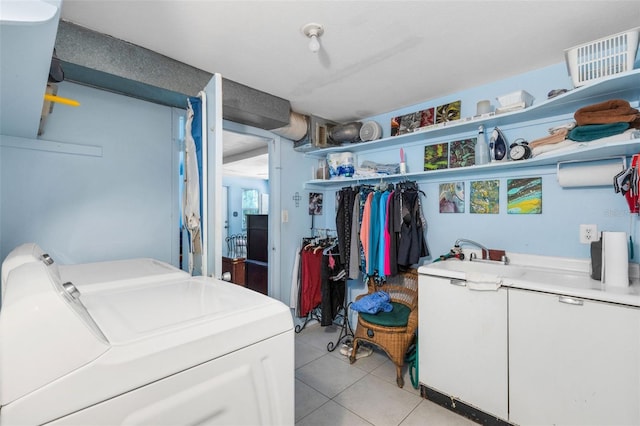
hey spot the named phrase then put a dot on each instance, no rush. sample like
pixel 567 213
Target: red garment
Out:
pixel 311 280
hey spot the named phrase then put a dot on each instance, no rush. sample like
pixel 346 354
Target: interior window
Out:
pixel 250 204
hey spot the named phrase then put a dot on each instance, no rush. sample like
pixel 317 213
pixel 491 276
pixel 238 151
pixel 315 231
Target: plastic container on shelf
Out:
pixel 341 164
pixel 518 97
pixel 593 61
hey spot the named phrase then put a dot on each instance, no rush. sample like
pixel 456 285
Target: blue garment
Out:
pixel 196 132
pixel 373 303
pixel 382 250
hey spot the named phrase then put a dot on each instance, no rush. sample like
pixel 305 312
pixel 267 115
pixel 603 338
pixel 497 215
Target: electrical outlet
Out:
pixel 588 233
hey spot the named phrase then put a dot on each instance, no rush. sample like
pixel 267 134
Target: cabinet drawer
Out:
pixel 572 361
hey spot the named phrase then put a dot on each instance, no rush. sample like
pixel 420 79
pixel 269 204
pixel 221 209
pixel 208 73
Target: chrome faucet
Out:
pixel 485 250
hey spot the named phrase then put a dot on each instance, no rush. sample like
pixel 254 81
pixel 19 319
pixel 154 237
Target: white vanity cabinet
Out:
pixel 463 343
pixel 572 361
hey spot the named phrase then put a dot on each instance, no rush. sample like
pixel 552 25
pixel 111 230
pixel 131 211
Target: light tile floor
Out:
pixel 331 391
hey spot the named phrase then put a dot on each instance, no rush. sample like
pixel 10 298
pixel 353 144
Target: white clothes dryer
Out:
pixel 170 349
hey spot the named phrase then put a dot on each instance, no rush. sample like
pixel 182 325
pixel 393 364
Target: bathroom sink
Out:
pixel 459 269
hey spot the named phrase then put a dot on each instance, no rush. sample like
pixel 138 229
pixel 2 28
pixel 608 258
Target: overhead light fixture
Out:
pixel 313 31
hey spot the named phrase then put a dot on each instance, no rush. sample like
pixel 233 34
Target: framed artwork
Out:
pixel 462 153
pixel 315 203
pixel 451 198
pixel 485 197
pixel 427 117
pixel 405 124
pixel 436 156
pixel 524 196
pixel 411 122
pixel 448 112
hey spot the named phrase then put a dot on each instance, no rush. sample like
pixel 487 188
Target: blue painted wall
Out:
pixel 81 208
pixel 555 231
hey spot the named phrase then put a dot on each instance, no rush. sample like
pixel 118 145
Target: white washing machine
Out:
pixel 154 349
pixel 85 274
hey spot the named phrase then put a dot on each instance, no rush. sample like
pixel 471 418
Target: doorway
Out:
pixel 245 175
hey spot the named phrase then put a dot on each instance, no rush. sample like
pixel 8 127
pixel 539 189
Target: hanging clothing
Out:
pixel 374 234
pixel 332 289
pixel 295 279
pixel 389 224
pixel 311 280
pixel 412 245
pixel 354 251
pixel 393 228
pixel 382 253
pixel 365 229
pixel 344 217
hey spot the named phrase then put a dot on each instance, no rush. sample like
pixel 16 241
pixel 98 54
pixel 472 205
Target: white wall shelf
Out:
pixel 625 85
pixel 585 153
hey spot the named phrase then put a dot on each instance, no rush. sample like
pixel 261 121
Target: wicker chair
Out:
pixel 395 331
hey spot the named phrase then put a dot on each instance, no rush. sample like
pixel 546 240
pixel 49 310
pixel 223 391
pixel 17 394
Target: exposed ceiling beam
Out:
pixel 244 155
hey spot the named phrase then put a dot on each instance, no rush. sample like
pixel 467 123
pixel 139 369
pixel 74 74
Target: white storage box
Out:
pixel 519 97
pixel 601 58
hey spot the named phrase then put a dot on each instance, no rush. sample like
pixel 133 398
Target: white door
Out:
pixel 212 180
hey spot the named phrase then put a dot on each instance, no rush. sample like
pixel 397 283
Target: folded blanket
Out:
pixel 373 303
pixel 552 147
pixel 592 132
pixel 558 136
pixel 612 111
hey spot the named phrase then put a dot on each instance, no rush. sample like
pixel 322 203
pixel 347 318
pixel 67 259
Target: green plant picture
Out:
pixel 485 197
pixel 462 153
pixel 436 156
pixel 524 196
pixel 448 112
pixel 451 198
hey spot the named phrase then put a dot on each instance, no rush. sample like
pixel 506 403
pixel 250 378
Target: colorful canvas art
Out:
pixel 452 197
pixel 436 156
pixel 315 203
pixel 485 197
pixel 524 196
pixel 427 117
pixel 411 122
pixel 448 112
pixel 462 153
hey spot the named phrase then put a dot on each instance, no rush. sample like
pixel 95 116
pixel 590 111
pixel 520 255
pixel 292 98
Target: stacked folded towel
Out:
pixel 373 169
pixel 604 119
pixel 613 111
pixel 556 139
pixel 592 132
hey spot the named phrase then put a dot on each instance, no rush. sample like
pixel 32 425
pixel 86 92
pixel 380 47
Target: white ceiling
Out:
pixel 376 56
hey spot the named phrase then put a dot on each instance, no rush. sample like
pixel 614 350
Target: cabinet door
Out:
pixel 463 343
pixel 257 276
pixel 258 237
pixel 572 361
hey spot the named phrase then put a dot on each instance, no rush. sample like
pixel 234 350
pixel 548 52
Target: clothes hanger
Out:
pixel 327 250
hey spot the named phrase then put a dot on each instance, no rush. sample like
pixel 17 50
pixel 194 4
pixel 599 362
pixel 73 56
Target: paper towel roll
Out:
pixel 588 174
pixel 615 259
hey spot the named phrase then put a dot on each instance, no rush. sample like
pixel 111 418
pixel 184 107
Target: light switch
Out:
pixel 285 216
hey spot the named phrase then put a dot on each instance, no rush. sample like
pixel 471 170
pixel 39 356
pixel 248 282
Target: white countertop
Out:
pixel 557 275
